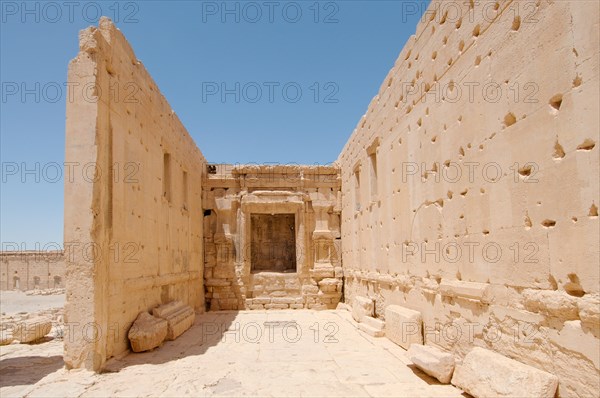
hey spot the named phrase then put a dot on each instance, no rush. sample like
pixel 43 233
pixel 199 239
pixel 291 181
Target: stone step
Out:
pixel 374 323
pixel 371 331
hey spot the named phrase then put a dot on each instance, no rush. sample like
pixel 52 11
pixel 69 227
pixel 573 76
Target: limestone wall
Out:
pixel 27 270
pixel 233 197
pixel 133 213
pixel 470 186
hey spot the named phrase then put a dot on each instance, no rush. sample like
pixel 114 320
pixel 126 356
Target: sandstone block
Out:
pixel 147 332
pixel 217 282
pixel 296 306
pixel 261 300
pixel 589 311
pixel 375 323
pixel 370 330
pixel 433 361
pixel 328 285
pixel 322 272
pixel 33 329
pixel 403 326
pixel 361 307
pixel 6 337
pixel 554 304
pixel 179 317
pixel 283 300
pixel 276 306
pixel 223 272
pixel 469 290
pixel 310 289
pixel 485 373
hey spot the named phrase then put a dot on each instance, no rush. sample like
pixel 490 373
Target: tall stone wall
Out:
pixel 470 186
pixel 243 243
pixel 133 213
pixel 27 270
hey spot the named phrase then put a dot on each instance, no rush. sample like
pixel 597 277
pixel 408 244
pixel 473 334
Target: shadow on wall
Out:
pixel 207 331
pixel 22 371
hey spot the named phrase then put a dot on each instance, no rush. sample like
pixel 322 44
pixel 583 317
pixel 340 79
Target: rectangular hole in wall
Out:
pixel 185 190
pixel 273 242
pixel 167 176
pixel 373 176
pixel 357 190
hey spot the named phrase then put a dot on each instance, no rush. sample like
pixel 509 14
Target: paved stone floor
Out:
pixel 275 353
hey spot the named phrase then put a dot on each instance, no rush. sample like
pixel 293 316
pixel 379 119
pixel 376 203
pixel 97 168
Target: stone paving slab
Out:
pixel 249 353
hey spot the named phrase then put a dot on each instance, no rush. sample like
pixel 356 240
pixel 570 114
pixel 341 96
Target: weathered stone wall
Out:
pixel 27 270
pixel 133 216
pixel 232 195
pixel 481 211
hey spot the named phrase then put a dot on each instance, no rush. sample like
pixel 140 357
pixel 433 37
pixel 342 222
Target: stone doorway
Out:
pixel 273 243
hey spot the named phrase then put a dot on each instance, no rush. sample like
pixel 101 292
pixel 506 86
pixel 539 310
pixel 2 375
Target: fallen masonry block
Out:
pixel 433 361
pixel 468 290
pixel 6 337
pixel 403 326
pixel 361 307
pixel 179 317
pixel 30 330
pixel 374 323
pixel 372 326
pixel 147 332
pixel 485 373
pixel 343 306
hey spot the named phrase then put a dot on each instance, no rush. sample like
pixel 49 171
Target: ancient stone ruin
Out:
pixel 457 215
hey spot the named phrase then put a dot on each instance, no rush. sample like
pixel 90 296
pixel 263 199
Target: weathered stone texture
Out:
pixel 484 373
pixel 471 185
pixel 433 361
pixel 271 237
pixel 147 332
pixel 403 326
pixel 30 330
pixel 28 270
pixel 179 317
pixel 362 307
pixel 139 208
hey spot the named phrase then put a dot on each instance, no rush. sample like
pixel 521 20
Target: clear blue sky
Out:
pixel 336 52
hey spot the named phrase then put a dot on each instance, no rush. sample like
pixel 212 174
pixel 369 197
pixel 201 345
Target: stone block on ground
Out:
pixel 6 337
pixel 147 332
pixel 433 361
pixel 179 316
pixel 372 326
pixel 403 326
pixel 375 323
pixel 30 330
pixel 485 373
pixel 343 306
pixel 361 307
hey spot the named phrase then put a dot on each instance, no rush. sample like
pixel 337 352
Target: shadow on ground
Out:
pixel 27 370
pixel 206 332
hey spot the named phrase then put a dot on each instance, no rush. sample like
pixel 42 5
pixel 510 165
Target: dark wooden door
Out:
pixel 273 244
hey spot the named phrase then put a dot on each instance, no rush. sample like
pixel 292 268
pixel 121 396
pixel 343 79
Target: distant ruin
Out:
pixel 29 270
pixel 468 193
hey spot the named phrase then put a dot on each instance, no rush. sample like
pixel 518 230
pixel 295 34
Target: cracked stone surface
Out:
pixel 257 353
